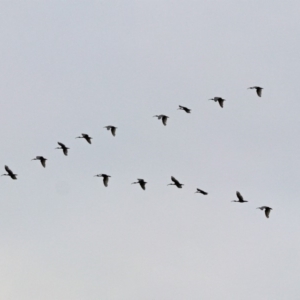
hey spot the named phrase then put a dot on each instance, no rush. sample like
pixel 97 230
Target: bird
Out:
pixel 187 110
pixel 63 147
pixel 10 173
pixel 218 99
pixel 240 197
pixel 258 90
pixel 267 210
pixel 201 191
pixel 176 182
pixel 163 118
pixel 142 183
pixel 112 129
pixel 86 137
pixel 42 160
pixel 105 178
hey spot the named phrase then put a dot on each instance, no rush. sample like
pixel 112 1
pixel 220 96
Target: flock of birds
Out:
pixel 140 181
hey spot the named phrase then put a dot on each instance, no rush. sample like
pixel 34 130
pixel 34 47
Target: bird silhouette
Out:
pixel 187 110
pixel 42 160
pixel 63 147
pixel 201 192
pixel 112 129
pixel 105 178
pixel 176 182
pixel 142 183
pixel 10 173
pixel 218 99
pixel 267 210
pixel 240 197
pixel 258 90
pixel 86 137
pixel 163 118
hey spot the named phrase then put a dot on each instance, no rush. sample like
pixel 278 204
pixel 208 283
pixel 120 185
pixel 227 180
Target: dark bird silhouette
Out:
pixel 63 147
pixel 42 160
pixel 163 118
pixel 112 129
pixel 258 90
pixel 142 183
pixel 201 192
pixel 267 210
pixel 10 173
pixel 218 99
pixel 86 137
pixel 240 197
pixel 187 110
pixel 176 182
pixel 105 178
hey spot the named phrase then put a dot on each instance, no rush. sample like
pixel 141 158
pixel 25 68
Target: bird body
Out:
pixel 240 197
pixel 86 137
pixel 176 182
pixel 201 192
pixel 112 129
pixel 187 110
pixel 105 178
pixel 142 183
pixel 42 160
pixel 163 118
pixel 10 173
pixel 219 100
pixel 258 90
pixel 267 210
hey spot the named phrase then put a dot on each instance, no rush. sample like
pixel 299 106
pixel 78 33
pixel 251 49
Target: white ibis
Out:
pixel 105 178
pixel 218 99
pixel 267 210
pixel 42 160
pixel 112 129
pixel 187 110
pixel 10 173
pixel 201 192
pixel 142 183
pixel 86 137
pixel 176 182
pixel 163 118
pixel 240 197
pixel 258 90
pixel 63 147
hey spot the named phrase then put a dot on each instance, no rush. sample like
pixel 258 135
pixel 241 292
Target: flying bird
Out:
pixel 86 137
pixel 240 197
pixel 176 182
pixel 112 129
pixel 10 173
pixel 42 160
pixel 218 99
pixel 267 210
pixel 63 147
pixel 105 178
pixel 187 110
pixel 142 183
pixel 258 90
pixel 163 118
pixel 201 192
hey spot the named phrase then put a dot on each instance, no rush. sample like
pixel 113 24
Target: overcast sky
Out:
pixel 72 67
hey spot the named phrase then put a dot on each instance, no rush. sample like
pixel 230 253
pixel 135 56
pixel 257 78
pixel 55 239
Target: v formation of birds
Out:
pixel 140 181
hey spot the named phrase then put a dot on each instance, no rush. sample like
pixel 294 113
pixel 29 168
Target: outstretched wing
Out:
pixel 65 151
pixel 43 162
pixel 61 144
pixel 113 130
pixel 105 180
pixel 258 91
pixel 221 102
pixel 8 170
pixel 175 180
pixel 164 120
pixel 240 197
pixel 267 211
pixel 202 192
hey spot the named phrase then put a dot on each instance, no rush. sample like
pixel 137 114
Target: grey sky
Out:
pixel 72 67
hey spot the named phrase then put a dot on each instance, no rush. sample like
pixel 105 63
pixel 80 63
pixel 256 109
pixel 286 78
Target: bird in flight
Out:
pixel 258 90
pixel 10 173
pixel 187 110
pixel 176 182
pixel 218 99
pixel 163 118
pixel 42 160
pixel 86 137
pixel 105 178
pixel 267 210
pixel 142 183
pixel 201 192
pixel 112 129
pixel 240 197
pixel 63 147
